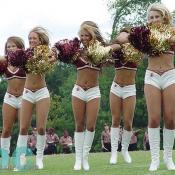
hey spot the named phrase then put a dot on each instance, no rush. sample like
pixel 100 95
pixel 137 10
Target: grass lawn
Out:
pixel 62 164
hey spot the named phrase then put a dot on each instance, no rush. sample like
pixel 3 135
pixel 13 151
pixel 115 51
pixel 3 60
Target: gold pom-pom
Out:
pixel 97 54
pixel 131 54
pixel 39 62
pixel 160 35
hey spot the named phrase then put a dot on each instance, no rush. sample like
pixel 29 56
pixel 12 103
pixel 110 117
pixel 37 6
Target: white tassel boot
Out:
pixel 5 150
pixel 89 137
pixel 40 145
pixel 79 141
pixel 126 137
pixel 168 142
pixel 154 141
pixel 114 144
pixel 20 160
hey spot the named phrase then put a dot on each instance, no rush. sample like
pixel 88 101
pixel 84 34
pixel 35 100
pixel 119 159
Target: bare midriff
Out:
pixel 87 78
pixel 125 77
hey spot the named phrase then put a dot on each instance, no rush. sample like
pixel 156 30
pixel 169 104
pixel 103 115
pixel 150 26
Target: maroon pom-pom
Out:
pixel 118 54
pixel 3 65
pixel 139 38
pixel 17 58
pixel 67 49
pixel 29 53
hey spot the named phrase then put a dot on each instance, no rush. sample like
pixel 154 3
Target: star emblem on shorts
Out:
pixel 78 88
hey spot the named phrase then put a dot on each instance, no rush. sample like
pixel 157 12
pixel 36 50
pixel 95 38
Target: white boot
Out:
pixel 154 141
pixel 79 141
pixel 126 137
pixel 168 142
pixel 5 150
pixel 114 144
pixel 88 139
pixel 40 145
pixel 20 160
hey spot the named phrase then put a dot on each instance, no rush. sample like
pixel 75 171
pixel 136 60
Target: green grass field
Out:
pixel 62 164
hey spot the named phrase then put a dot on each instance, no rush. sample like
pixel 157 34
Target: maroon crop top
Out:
pixel 82 63
pixel 121 64
pixel 19 73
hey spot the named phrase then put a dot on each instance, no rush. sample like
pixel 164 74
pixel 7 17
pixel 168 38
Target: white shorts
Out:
pixel 160 81
pixel 123 92
pixel 34 97
pixel 86 95
pixel 12 100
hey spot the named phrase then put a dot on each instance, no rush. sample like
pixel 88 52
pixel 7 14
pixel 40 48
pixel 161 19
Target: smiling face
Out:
pixel 155 17
pixel 85 37
pixel 33 39
pixel 11 46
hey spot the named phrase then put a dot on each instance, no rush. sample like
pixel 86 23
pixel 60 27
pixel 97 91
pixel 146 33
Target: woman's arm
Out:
pixel 122 38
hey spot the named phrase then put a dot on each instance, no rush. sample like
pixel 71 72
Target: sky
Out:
pixel 170 4
pixel 61 18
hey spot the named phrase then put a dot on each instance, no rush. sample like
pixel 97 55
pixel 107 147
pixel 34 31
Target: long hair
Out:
pixel 166 14
pixel 17 40
pixel 42 34
pixel 93 29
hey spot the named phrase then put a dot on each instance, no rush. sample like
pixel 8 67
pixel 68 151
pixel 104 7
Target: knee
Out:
pixel 115 123
pixel 128 125
pixel 91 129
pixel 6 132
pixel 153 123
pixel 169 124
pixel 23 131
pixel 41 131
pixel 79 126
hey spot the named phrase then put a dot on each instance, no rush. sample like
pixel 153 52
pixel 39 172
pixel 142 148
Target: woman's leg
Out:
pixel 79 110
pixel 116 110
pixel 42 111
pixel 169 121
pixel 128 114
pixel 92 109
pixel 153 101
pixel 25 120
pixel 9 114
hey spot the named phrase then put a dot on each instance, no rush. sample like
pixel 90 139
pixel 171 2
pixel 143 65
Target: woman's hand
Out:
pixel 115 47
pixel 122 38
pixel 52 56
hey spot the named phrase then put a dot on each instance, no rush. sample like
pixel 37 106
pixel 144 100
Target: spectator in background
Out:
pixel 133 142
pixel 106 139
pixel 66 142
pixel 146 145
pixel 51 142
pixel 32 140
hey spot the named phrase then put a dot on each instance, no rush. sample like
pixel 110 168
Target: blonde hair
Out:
pixel 18 42
pixel 166 14
pixel 42 34
pixel 93 29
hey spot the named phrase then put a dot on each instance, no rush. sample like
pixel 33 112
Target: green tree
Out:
pixel 127 13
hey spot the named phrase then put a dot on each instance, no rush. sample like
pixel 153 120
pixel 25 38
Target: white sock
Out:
pixel 41 141
pixel 5 144
pixel 22 141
